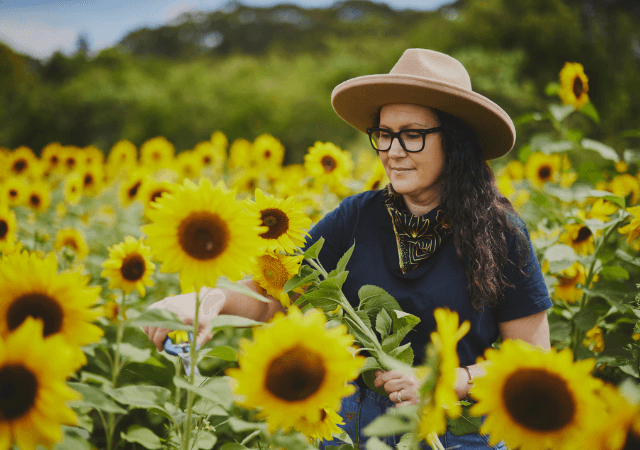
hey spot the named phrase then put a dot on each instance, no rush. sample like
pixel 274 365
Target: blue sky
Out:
pixel 39 28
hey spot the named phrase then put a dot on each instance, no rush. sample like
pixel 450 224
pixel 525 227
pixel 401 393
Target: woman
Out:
pixel 439 235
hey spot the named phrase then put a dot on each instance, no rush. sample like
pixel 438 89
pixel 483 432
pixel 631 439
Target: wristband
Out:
pixel 469 372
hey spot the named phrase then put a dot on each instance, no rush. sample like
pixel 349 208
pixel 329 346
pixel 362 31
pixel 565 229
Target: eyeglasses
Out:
pixel 410 140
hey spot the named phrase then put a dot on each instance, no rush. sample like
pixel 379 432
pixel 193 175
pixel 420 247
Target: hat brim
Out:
pixel 358 100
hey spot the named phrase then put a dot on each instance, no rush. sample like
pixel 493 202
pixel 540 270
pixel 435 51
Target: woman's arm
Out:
pixel 533 329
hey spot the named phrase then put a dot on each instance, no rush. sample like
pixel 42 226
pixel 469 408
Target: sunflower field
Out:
pixel 89 242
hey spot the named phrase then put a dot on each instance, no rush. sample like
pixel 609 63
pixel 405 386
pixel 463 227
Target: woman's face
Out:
pixel 414 175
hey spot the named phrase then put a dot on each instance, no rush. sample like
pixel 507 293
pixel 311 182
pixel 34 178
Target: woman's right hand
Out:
pixel 211 302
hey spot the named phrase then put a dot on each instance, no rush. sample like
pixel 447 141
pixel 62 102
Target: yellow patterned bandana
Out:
pixel 418 237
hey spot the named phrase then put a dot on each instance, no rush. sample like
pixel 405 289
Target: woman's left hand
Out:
pixel 402 387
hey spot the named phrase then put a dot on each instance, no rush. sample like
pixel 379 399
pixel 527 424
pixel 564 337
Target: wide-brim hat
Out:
pixel 428 78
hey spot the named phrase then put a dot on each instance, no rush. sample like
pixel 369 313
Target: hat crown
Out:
pixel 432 65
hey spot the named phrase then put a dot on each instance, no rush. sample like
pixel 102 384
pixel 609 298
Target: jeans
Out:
pixel 365 405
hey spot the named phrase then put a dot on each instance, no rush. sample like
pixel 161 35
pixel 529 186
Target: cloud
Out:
pixel 35 37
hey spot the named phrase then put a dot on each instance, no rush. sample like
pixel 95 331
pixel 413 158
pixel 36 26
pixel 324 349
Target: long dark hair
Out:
pixel 481 217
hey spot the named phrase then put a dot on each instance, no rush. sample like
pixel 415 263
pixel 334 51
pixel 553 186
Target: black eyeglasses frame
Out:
pixel 394 135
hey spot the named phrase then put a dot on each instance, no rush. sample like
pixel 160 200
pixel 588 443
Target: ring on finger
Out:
pixel 399 396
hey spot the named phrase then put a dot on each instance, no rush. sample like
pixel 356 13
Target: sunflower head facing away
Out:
pixel 129 266
pixel 285 222
pixel 202 232
pixel 294 367
pixel 536 399
pixel 64 302
pixel 574 85
pixel 33 371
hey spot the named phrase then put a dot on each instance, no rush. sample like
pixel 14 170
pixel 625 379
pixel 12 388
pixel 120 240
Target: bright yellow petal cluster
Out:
pixel 619 425
pixel 272 272
pixel 8 228
pixel 444 401
pixel 541 168
pixel 156 153
pixel 536 399
pixel 267 151
pixel 579 237
pixel 30 286
pixel 74 239
pixel 626 185
pixel 326 163
pixel 129 266
pixel 33 371
pixel 594 339
pixel 202 232
pixel 632 229
pixel 574 85
pixel 565 289
pixel 378 178
pixel 294 367
pixel 601 210
pixel 325 428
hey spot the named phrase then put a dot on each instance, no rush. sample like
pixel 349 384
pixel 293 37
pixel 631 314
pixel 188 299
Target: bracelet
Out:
pixel 469 372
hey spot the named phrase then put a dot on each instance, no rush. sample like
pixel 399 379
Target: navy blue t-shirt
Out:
pixel 438 282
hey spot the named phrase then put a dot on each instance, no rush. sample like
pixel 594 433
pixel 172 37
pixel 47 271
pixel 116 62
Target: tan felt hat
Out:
pixel 428 78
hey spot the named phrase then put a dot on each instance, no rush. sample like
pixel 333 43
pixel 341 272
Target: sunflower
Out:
pixel 240 154
pixel 535 399
pixel 594 340
pixel 325 428
pixel 21 161
pixel 326 163
pixel 273 270
pixel 210 155
pixel 632 229
pixel 8 228
pixel 92 155
pixel 129 266
pixel 38 196
pixel 123 155
pixel 188 165
pixel 286 223
pixel 292 181
pixel 444 399
pixel 574 85
pixel 92 179
pixel 51 156
pixel 619 429
pixel 267 151
pixel 626 185
pixel 202 232
pixel 220 140
pixel 541 168
pixel 565 289
pixel 156 153
pixel 73 188
pixel 248 179
pixel 74 239
pixel 13 191
pixel 151 190
pixel 71 157
pixel 31 286
pixel 378 178
pixel 295 367
pixel 601 210
pixel 33 371
pixel 130 187
pixel 579 237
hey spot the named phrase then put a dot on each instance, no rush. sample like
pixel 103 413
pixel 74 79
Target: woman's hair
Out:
pixel 481 217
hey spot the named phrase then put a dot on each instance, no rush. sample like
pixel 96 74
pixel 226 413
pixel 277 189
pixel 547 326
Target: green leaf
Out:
pixel 313 251
pixel 627 257
pixel 370 364
pixel 585 319
pixel 364 317
pixel 614 297
pixel 388 425
pixel 340 447
pixel 383 323
pixel 342 264
pixel 560 257
pixel 591 112
pixel 604 150
pixel 557 147
pixel 560 112
pixel 233 446
pixel 559 328
pixel 402 319
pixel 222 352
pixel 74 439
pixel 140 396
pixel 403 353
pixel 373 299
pixel 242 426
pixel 226 321
pixel 614 273
pixel 199 390
pixel 368 378
pixel 335 280
pixel 615 199
pixel 205 440
pixel 395 339
pixel 464 424
pixel 298 281
pixel 161 318
pixel 94 398
pixel 376 444
pixel 552 88
pixel 323 298
pixel 132 353
pixel 176 416
pixel 224 283
pixel 141 435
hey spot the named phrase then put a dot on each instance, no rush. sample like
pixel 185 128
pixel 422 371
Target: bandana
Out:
pixel 418 237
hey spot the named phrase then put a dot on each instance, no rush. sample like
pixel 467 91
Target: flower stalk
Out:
pixel 186 435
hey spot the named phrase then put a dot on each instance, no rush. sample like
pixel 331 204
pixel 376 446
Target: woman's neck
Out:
pixel 419 207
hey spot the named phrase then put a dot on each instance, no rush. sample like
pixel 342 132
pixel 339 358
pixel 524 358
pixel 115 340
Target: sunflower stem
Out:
pixel 115 369
pixel 192 372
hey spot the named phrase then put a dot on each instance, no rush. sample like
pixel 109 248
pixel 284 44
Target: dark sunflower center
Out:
pixel 13 193
pixel 54 160
pixel 375 185
pixel 156 156
pixel 328 163
pixel 544 172
pixel 133 190
pixel 18 390
pixel 538 400
pixel 203 235
pixel 578 87
pixel 70 162
pixel 583 235
pixel 295 375
pixel 34 200
pixel 156 195
pixel 206 160
pixel 132 267
pixel 632 441
pixel 19 166
pixel 4 228
pixel 39 306
pixel 277 221
pixel 323 415
pixel 88 180
pixel 267 154
pixel 70 242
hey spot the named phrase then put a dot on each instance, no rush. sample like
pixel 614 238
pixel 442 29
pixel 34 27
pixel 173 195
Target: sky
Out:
pixel 39 28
